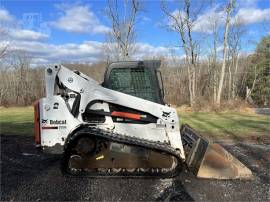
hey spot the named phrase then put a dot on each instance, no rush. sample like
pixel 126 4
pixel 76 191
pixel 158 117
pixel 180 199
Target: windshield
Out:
pixel 134 81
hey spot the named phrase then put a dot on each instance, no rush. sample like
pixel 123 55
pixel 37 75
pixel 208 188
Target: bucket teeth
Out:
pixel 207 160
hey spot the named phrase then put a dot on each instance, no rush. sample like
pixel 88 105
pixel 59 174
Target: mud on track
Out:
pixel 27 174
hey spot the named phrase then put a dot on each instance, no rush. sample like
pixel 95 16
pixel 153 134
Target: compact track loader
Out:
pixel 123 127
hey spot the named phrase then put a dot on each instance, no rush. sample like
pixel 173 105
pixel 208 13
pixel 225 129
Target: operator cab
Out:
pixel 137 78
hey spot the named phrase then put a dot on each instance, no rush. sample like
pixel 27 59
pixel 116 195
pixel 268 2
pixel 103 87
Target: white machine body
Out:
pixel 55 120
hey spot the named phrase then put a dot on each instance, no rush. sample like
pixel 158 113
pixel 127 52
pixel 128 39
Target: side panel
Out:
pixel 56 122
pixel 145 131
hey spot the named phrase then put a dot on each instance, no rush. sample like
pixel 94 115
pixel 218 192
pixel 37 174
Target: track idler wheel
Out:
pixel 74 155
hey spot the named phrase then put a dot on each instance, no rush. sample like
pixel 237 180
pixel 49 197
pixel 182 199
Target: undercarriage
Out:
pixel 95 152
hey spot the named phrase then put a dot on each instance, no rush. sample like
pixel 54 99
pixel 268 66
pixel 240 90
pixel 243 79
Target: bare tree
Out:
pixel 3 46
pixel 22 63
pixel 249 91
pixel 234 43
pixel 229 9
pixel 16 79
pixel 182 21
pixel 122 36
pixel 3 51
pixel 214 26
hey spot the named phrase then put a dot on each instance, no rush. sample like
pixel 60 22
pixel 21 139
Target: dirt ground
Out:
pixel 29 175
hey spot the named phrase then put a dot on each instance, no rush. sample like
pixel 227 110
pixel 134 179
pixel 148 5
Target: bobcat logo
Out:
pixel 166 115
pixel 43 121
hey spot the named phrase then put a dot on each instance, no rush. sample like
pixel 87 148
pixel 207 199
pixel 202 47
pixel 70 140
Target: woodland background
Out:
pixel 220 78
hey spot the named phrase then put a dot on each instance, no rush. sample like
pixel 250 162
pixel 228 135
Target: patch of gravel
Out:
pixel 29 175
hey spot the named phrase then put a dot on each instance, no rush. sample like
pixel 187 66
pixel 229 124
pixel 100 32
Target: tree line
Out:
pixel 193 80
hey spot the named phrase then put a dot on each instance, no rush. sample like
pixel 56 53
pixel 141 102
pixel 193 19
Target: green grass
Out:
pixel 19 121
pixel 227 124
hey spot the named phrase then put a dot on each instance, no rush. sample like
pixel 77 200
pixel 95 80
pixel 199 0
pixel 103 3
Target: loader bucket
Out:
pixel 208 160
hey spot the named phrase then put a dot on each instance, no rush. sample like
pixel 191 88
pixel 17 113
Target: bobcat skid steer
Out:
pixel 123 127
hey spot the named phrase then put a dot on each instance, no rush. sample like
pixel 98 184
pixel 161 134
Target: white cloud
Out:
pixel 177 14
pixel 252 15
pixel 216 17
pixel 34 42
pixel 45 52
pixel 12 29
pixel 208 21
pixel 86 52
pixel 5 16
pixel 147 50
pixel 146 19
pixel 23 34
pixel 247 3
pixel 204 22
pixel 74 19
pixel 80 19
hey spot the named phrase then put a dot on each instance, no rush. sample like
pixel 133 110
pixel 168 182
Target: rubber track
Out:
pixel 133 141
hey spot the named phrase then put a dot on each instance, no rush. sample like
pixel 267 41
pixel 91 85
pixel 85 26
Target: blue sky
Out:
pixel 76 31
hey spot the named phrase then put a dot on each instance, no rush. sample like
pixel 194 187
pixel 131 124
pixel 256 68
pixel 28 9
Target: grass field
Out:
pixel 229 124
pixel 19 121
